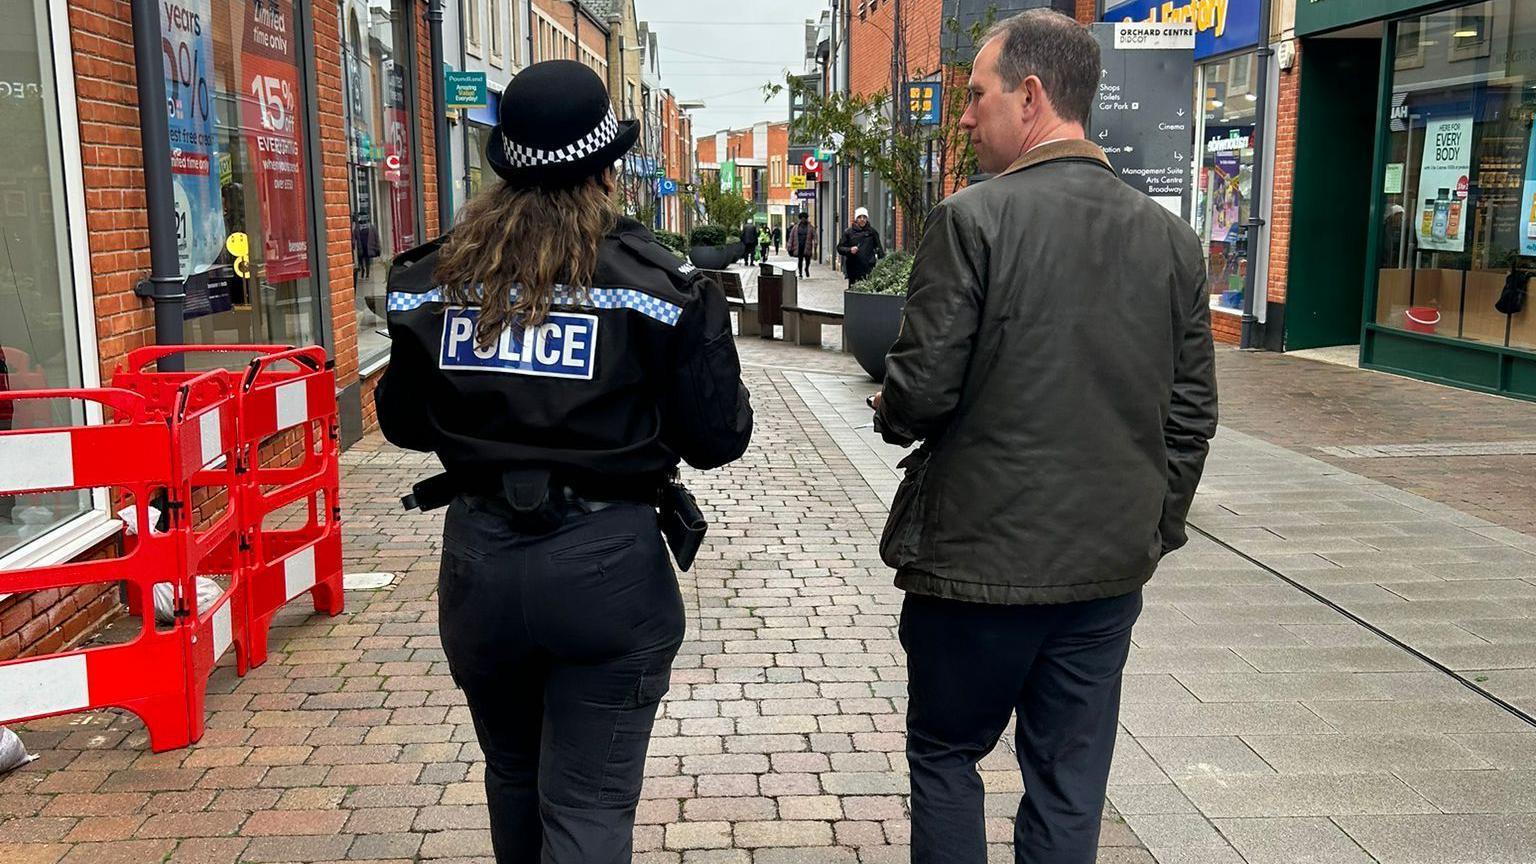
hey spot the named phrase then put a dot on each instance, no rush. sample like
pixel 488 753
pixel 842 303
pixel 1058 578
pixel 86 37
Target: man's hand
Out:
pixel 874 401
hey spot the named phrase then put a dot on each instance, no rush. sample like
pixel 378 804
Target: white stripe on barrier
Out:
pixel 212 435
pixel 292 404
pixel 37 460
pixel 299 572
pixel 44 687
pixel 223 634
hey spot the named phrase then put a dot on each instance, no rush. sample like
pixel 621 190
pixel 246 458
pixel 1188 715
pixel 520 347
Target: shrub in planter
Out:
pixel 872 310
pixel 674 241
pixel 713 248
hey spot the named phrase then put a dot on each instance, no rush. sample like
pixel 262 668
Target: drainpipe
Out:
pixel 1251 331
pixel 164 285
pixel 443 144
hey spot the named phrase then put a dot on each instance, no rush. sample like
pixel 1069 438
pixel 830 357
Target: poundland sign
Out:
pixel 1221 26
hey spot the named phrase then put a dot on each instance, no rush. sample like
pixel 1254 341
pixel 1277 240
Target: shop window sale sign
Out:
pixel 1441 222
pixel 1528 200
pixel 186 38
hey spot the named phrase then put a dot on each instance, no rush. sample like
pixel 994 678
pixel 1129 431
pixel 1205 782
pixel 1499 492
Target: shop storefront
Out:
pixel 1452 199
pixel 1226 111
pixel 477 133
pixel 382 166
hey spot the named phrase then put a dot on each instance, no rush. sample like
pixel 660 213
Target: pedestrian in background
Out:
pixel 1055 360
pixel 778 237
pixel 860 247
pixel 749 242
pixel 763 243
pixel 559 376
pixel 802 243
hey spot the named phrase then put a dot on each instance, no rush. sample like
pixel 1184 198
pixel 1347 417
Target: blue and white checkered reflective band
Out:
pixel 597 298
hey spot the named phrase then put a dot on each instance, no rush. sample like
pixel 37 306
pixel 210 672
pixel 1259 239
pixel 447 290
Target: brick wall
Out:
pixel 333 168
pixel 1282 177
pixel 1087 11
pixel 113 166
pixel 704 150
pixel 778 148
pixel 1227 328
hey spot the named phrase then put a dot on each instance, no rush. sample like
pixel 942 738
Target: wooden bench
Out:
pixel 803 326
pixel 746 310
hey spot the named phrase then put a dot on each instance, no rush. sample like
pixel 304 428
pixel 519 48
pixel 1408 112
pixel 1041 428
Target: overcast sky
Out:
pixel 722 52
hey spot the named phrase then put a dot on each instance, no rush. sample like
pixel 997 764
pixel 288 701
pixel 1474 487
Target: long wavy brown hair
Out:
pixel 524 241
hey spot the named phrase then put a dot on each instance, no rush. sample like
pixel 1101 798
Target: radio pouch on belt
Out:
pixel 538 509
pixel 682 524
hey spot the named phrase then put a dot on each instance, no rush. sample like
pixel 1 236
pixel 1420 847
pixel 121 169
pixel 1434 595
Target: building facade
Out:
pixel 301 157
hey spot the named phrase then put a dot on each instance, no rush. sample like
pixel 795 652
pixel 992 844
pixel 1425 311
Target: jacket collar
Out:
pixel 1071 148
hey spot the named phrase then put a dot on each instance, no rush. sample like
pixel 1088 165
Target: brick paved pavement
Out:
pixel 1260 724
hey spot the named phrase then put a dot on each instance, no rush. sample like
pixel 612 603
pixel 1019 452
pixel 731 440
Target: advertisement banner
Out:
pixel 1528 200
pixel 1221 26
pixel 1441 220
pixel 186 37
pixel 923 103
pixel 398 170
pixel 271 121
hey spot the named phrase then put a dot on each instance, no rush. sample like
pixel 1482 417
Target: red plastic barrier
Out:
pixel 148 675
pixel 281 391
pixel 194 438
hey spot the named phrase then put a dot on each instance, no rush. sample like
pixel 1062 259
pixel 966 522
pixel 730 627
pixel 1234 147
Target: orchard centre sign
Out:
pixel 1221 26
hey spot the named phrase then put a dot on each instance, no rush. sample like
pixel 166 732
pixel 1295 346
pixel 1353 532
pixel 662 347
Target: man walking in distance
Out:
pixel 749 240
pixel 802 243
pixel 1056 362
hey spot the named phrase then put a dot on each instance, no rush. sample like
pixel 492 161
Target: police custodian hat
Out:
pixel 556 127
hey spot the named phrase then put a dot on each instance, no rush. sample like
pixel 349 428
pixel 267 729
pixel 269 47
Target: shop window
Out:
pixel 472 13
pixel 39 330
pixel 1225 178
pixel 381 164
pixel 498 37
pixel 240 171
pixel 1459 192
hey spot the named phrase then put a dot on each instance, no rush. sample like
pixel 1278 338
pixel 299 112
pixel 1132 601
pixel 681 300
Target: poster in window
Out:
pixel 1528 199
pixel 272 125
pixel 186 31
pixel 398 170
pixel 1441 217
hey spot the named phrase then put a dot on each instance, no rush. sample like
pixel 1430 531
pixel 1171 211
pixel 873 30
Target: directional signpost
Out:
pixel 1141 114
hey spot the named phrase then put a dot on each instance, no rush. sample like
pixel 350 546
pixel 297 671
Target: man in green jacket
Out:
pixel 1055 360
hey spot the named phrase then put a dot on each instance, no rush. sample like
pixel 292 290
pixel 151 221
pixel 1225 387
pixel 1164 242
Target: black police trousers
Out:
pixel 563 645
pixel 970 666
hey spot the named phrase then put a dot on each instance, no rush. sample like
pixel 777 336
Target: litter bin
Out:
pixel 770 299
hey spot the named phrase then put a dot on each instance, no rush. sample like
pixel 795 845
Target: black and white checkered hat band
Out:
pixel 519 156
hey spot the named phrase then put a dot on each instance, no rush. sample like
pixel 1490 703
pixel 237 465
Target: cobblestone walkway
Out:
pixel 1262 723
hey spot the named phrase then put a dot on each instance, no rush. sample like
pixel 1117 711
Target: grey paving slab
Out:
pixel 1183 839
pixel 1313 658
pixel 1302 795
pixel 1362 753
pixel 1444 839
pixel 1212 756
pixel 1150 800
pixel 1292 840
pixel 1487 791
pixel 1236 718
pixel 1501 749
pixel 1416 717
pixel 1278 686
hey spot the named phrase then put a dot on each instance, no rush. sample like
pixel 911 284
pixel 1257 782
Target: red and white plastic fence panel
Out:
pixel 291 391
pixel 148 674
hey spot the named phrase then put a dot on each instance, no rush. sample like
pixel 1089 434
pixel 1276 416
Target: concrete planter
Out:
pixel 871 323
pixel 716 257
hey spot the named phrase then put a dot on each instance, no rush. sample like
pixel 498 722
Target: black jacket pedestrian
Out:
pixel 867 250
pixel 749 235
pixel 1055 360
pixel 622 382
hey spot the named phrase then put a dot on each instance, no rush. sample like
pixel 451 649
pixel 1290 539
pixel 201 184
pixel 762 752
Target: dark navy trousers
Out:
pixel 563 645
pixel 970 667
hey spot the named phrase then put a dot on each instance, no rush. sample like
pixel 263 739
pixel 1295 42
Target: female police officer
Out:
pixel 559 362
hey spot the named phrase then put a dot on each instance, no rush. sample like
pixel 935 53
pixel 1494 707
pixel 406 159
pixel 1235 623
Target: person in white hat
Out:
pixel 860 247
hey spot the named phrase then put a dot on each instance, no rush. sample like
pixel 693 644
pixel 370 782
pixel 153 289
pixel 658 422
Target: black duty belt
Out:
pixel 526 487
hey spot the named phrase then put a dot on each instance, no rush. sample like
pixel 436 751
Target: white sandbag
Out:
pixel 13 753
pixel 130 517
pixel 208 592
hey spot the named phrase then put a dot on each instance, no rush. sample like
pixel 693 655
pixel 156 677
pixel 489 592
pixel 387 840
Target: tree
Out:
pixel 725 208
pixel 878 134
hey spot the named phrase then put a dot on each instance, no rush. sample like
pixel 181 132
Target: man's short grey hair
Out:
pixel 1057 50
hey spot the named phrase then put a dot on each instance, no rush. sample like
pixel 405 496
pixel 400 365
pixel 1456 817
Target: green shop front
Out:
pixel 1414 233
